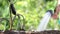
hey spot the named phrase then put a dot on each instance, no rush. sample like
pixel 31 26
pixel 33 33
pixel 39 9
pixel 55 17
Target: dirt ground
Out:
pixel 24 32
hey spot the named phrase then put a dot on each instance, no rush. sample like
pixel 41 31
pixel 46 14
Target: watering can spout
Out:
pixel 45 20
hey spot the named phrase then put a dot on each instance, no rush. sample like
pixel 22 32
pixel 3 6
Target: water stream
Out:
pixel 44 22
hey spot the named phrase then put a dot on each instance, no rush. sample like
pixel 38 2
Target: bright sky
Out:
pixel 58 1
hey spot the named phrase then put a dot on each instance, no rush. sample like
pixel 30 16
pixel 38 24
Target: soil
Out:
pixel 24 32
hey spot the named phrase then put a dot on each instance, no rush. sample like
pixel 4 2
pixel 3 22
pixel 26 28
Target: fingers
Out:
pixel 55 16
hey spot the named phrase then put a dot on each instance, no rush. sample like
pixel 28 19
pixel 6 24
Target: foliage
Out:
pixel 32 10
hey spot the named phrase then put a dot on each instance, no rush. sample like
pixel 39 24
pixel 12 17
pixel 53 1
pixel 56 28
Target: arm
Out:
pixel 57 10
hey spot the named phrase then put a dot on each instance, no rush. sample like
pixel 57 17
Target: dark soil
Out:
pixel 24 32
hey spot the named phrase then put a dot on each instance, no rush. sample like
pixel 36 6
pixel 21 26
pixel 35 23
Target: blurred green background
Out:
pixel 32 10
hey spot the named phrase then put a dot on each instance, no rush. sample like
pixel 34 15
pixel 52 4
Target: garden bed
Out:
pixel 31 32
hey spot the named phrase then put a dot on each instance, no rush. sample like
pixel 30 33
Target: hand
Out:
pixel 54 16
